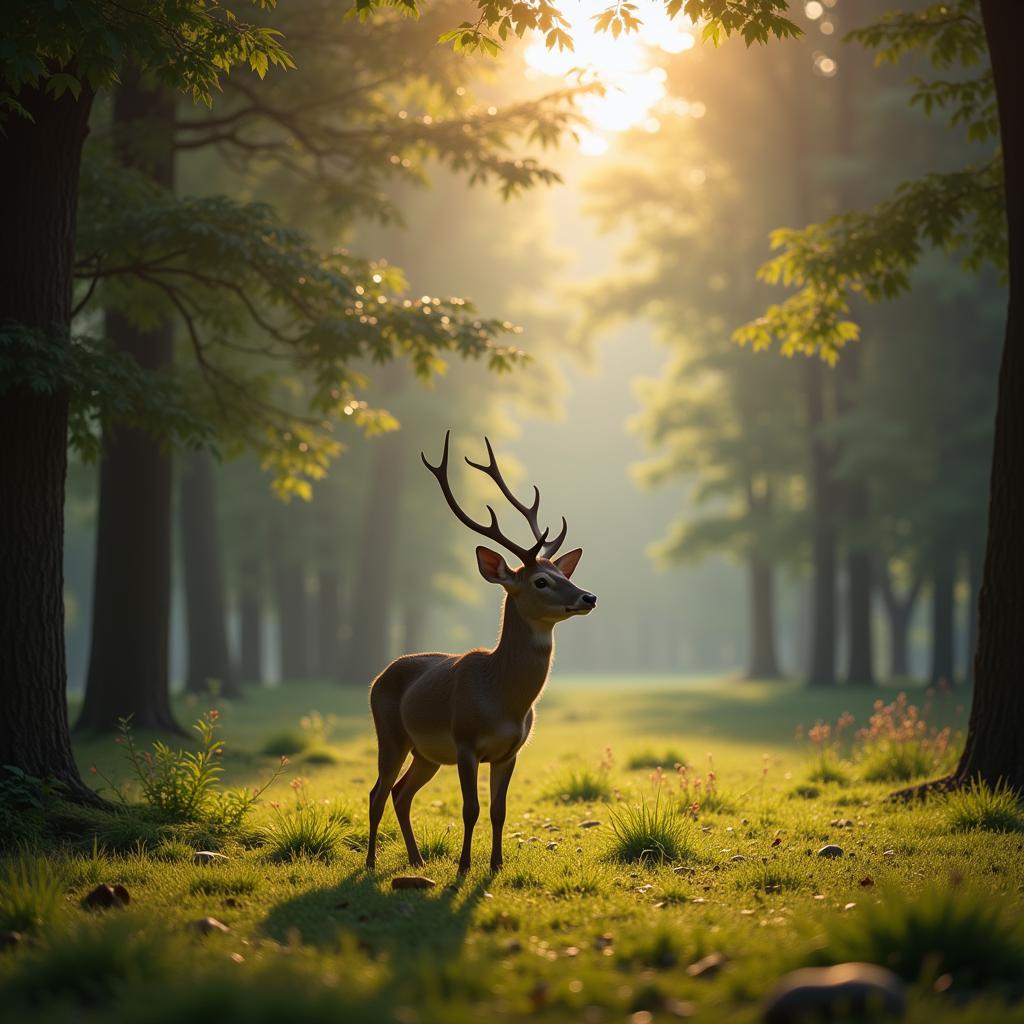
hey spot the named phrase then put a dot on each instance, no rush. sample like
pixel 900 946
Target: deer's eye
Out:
pixel 540 583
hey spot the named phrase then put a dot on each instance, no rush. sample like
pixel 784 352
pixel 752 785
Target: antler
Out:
pixel 549 547
pixel 493 531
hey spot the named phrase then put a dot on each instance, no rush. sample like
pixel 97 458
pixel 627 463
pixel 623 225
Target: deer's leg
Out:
pixel 420 772
pixel 469 768
pixel 501 776
pixel 390 758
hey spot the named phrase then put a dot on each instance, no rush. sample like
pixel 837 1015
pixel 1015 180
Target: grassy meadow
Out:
pixel 599 922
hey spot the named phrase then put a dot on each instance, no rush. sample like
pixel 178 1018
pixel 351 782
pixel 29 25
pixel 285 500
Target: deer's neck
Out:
pixel 522 658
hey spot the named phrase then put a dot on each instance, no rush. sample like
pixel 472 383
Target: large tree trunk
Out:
pixel 822 668
pixel 860 670
pixel 762 662
pixel 943 583
pixel 209 664
pixel 328 624
pixel 250 615
pixel 39 166
pixel 371 598
pixel 994 749
pixel 975 563
pixel 128 669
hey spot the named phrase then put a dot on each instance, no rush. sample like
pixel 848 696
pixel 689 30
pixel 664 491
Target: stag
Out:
pixel 464 709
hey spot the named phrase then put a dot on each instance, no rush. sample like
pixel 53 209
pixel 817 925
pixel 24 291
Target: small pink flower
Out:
pixel 93 769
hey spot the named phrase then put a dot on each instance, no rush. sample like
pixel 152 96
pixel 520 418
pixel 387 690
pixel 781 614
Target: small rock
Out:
pixel 412 882
pixel 836 993
pixel 590 823
pixel 680 1008
pixel 738 858
pixel 707 966
pixel 866 881
pixel 842 823
pixel 209 925
pixel 551 846
pixel 888 853
pixel 105 896
pixel 831 851
pixel 208 857
pixel 604 941
pixel 8 940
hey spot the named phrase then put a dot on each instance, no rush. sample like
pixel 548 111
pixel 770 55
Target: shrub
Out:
pixel 648 832
pixel 945 931
pixel 582 785
pixel 287 743
pixel 979 808
pixel 308 831
pixel 31 892
pixel 184 785
pixel 649 758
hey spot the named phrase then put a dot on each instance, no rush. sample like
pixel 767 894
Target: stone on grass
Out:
pixel 707 966
pixel 831 851
pixel 209 925
pixel 9 939
pixel 590 823
pixel 836 993
pixel 105 896
pixel 208 857
pixel 412 882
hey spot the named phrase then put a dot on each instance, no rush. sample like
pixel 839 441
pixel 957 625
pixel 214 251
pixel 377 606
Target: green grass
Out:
pixel 581 785
pixel 979 808
pixel 648 757
pixel 583 924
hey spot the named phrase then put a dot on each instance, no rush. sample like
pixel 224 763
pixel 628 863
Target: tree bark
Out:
pixel 943 583
pixel 209 664
pixel 328 624
pixel 763 662
pixel 994 749
pixel 40 161
pixel 128 667
pixel 413 620
pixel 860 670
pixel 250 614
pixel 975 563
pixel 371 597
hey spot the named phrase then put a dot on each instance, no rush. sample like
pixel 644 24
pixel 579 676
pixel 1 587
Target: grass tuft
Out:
pixel 31 893
pixel 649 832
pixel 582 785
pixel 980 808
pixel 897 761
pixel 308 832
pixel 438 843
pixel 286 743
pixel 950 931
pixel 580 879
pixel 650 758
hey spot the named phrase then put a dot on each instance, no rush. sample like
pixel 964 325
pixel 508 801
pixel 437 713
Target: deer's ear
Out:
pixel 492 566
pixel 566 564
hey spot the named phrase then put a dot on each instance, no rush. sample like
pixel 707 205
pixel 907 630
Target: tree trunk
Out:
pixel 371 597
pixel 250 614
pixel 943 583
pixel 994 749
pixel 822 670
pixel 763 663
pixel 289 580
pixel 900 612
pixel 975 561
pixel 413 620
pixel 209 665
pixel 128 667
pixel 328 624
pixel 39 166
pixel 860 671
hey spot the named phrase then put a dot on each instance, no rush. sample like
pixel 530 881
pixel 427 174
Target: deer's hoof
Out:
pixel 371 863
pixel 463 867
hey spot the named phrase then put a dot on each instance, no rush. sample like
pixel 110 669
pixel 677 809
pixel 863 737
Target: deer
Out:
pixel 477 707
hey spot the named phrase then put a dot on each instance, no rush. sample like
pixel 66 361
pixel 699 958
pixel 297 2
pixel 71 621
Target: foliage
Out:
pixel 62 47
pixel 648 832
pixel 31 892
pixel 24 802
pixel 872 253
pixel 979 807
pixel 307 832
pixel 286 743
pixel 183 785
pixel 947 931
pixel 648 757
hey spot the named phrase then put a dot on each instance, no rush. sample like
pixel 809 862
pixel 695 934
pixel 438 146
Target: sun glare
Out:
pixel 633 87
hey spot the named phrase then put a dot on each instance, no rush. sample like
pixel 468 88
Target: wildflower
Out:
pixel 284 760
pixel 213 714
pixel 93 769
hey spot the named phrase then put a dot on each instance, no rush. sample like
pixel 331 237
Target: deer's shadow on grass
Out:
pixel 401 924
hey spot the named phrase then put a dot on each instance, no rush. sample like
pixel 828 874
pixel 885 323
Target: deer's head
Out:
pixel 541 587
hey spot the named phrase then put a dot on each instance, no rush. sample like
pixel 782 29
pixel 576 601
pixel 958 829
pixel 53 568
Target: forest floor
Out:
pixel 568 930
